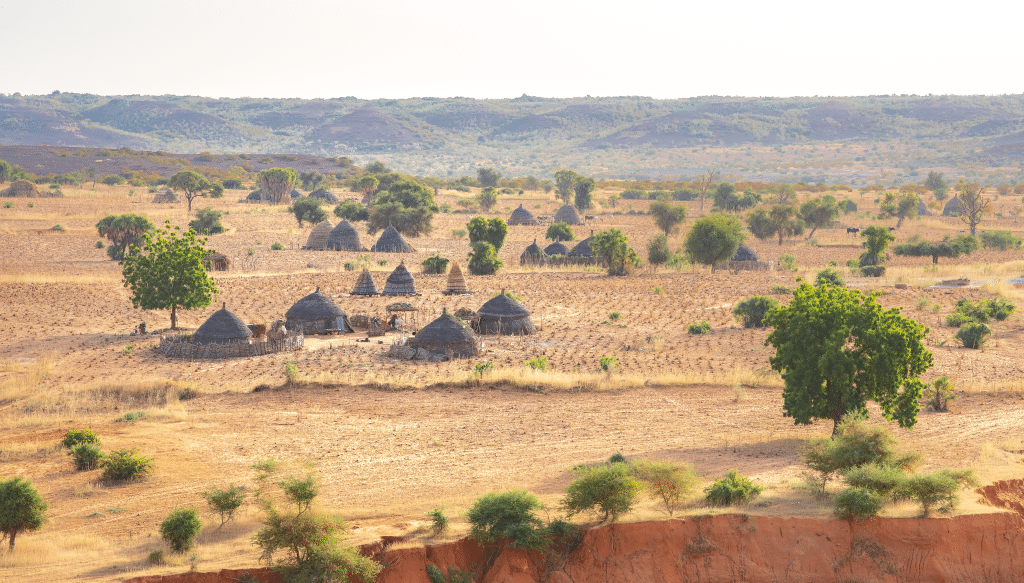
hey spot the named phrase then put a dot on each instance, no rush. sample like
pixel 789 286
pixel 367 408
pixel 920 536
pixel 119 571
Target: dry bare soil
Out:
pixel 390 440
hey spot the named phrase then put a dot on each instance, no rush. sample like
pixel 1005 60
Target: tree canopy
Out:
pixel 876 241
pixel 955 247
pixel 820 213
pixel 714 239
pixel 559 231
pixel 277 184
pixel 668 216
pixel 21 509
pixel 407 205
pixel 937 184
pixel 5 171
pixel 899 207
pixel 837 349
pixel 487 198
pixel 564 180
pixel 488 177
pixel 311 180
pixel 168 273
pixel 583 189
pixel 727 199
pixel 351 210
pixel 123 231
pixel 308 209
pixel 191 184
pixel 781 221
pixel 613 245
pixel 493 231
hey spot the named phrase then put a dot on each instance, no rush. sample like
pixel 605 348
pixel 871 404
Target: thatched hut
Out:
pixel 317 240
pixel 344 237
pixel 447 335
pixel 400 283
pixel 568 215
pixel 324 195
pixel 922 209
pixel 952 208
pixel 365 285
pixel 316 313
pixel 223 327
pixel 583 248
pixel 391 241
pixel 217 262
pixel 255 196
pixel 21 188
pixel 165 196
pixel 521 216
pixel 296 194
pixel 503 315
pixel 744 253
pixel 556 248
pixel 456 282
pixel 533 254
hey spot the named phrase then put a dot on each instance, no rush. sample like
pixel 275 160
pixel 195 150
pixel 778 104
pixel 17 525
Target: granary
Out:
pixel 296 194
pixel 445 336
pixel 744 253
pixel 568 215
pixel 391 241
pixel 317 240
pixel 344 237
pixel 952 208
pixel 583 249
pixel 217 262
pixel 324 195
pixel 21 188
pixel 533 254
pixel 165 196
pixel 456 281
pixel 222 327
pixel 922 209
pixel 556 248
pixel 521 216
pixel 503 315
pixel 365 285
pixel 400 283
pixel 315 314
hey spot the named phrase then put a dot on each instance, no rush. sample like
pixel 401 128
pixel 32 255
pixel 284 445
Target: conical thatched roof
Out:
pixel 296 193
pixel 318 236
pixel 222 327
pixel 400 282
pixel 324 195
pixel 446 335
pixel 533 253
pixel 922 209
pixel 391 241
pixel 344 237
pixel 744 253
pixel 952 208
pixel 557 248
pixel 503 315
pixel 165 195
pixel 21 188
pixel 315 306
pixel 568 215
pixel 583 249
pixel 255 196
pixel 521 216
pixel 456 282
pixel 365 285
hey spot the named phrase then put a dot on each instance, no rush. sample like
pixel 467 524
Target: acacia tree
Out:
pixel 779 222
pixel 564 180
pixel 899 207
pixel 277 184
pixel 714 239
pixel 407 205
pixel 21 509
pixel 973 205
pixel 668 216
pixel 368 185
pixel 584 188
pixel 614 247
pixel 962 245
pixel 191 184
pixel 123 231
pixel 820 213
pixel 837 349
pixel 168 273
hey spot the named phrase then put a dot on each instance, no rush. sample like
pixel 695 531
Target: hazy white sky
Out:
pixel 482 48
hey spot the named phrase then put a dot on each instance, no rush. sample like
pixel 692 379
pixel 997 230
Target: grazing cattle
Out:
pixel 852 230
pixel 891 229
pixel 589 217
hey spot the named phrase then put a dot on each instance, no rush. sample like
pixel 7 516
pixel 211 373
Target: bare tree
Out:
pixel 972 205
pixel 704 182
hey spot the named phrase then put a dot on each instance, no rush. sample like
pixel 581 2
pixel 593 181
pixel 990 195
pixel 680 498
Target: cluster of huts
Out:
pixel 326 236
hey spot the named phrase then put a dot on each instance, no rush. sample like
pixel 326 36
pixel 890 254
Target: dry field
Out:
pixel 391 440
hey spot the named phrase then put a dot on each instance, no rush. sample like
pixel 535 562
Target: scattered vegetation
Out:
pixel 180 529
pixel 732 488
pixel 752 311
pixel 701 327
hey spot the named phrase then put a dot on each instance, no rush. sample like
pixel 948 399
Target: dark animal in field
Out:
pixel 852 230
pixel 891 229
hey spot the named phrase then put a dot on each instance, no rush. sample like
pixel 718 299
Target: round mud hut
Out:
pixel 568 215
pixel 223 327
pixel 583 248
pixel 324 195
pixel 165 196
pixel 365 285
pixel 446 336
pixel 556 248
pixel 391 241
pixel 521 216
pixel 344 237
pixel 317 240
pixel 456 281
pixel 533 254
pixel 505 316
pixel 744 253
pixel 952 208
pixel 922 209
pixel 21 188
pixel 400 283
pixel 315 314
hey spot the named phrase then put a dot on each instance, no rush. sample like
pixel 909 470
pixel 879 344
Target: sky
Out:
pixel 488 49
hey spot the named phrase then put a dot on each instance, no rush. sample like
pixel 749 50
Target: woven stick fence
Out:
pixel 180 347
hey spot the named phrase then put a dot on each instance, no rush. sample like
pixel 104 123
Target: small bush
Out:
pixel 207 222
pixel 382 262
pixel 1002 240
pixel 610 489
pixel 8 205
pixel 188 393
pixel 78 436
pixel 58 227
pixel 751 311
pixel 608 363
pixel 224 503
pixel 435 264
pixel 872 270
pixel 125 465
pixel 669 482
pixel 351 266
pixel 973 335
pixel 483 368
pixel 99 244
pixel 885 481
pixel 539 363
pixel 131 416
pixel 857 504
pixel 156 557
pixel 732 488
pixel 930 490
pixel 939 394
pixel 86 456
pixel 1000 309
pixel 458 233
pixel 615 316
pixel 788 262
pixel 957 319
pixel 829 276
pixel 180 529
pixel 780 290
pixel 701 327
pixel 560 231
pixel 291 373
pixel 508 515
pixel 438 521
pixel 277 246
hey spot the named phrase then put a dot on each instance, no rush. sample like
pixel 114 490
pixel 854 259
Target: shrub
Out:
pixel 857 504
pixel 351 266
pixel 610 489
pixel 882 480
pixel 224 503
pixel 458 233
pixel 732 488
pixel 539 363
pixel 131 415
pixel 957 319
pixel 560 231
pixel 658 252
pixel 484 259
pixel 277 247
pixel 507 515
pixel 180 529
pixel 156 557
pixel 829 276
pixel 86 456
pixel 617 458
pixel 351 210
pixel 8 205
pixel 481 369
pixel 232 184
pixel 999 309
pixel 615 316
pixel 438 521
pixel 435 264
pixel 788 261
pixel 752 310
pixel 608 363
pixel 99 244
pixel 125 465
pixel 1002 240
pixel 939 394
pixel 939 487
pixel 207 222
pixel 188 393
pixel 668 481
pixel 973 335
pixel 780 290
pixel 872 270
pixel 701 327
pixel 291 373
pixel 78 436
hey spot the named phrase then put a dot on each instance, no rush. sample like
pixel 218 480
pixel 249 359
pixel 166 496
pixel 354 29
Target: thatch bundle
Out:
pixel 521 216
pixel 503 315
pixel 533 254
pixel 952 208
pixel 316 313
pixel 583 248
pixel 365 285
pixel 165 196
pixel 447 335
pixel 344 237
pixel 400 283
pixel 744 253
pixel 217 262
pixel 222 327
pixel 456 281
pixel 21 188
pixel 324 195
pixel 922 209
pixel 568 215
pixel 556 248
pixel 317 240
pixel 391 241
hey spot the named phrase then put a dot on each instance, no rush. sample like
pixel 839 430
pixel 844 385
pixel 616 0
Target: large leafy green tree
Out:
pixel 564 179
pixel 311 180
pixel 483 260
pixel 714 239
pixel 277 184
pixel 668 216
pixel 955 247
pixel 837 349
pixel 21 509
pixel 560 231
pixel 613 245
pixel 123 231
pixel 488 177
pixel 900 207
pixel 191 184
pixel 168 273
pixel 876 241
pixel 584 188
pixel 493 231
pixel 368 184
pixel 308 209
pixel 937 184
pixel 820 213
pixel 407 205
pixel 781 221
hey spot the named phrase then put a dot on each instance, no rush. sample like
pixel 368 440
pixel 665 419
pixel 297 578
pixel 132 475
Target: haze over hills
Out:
pixel 834 140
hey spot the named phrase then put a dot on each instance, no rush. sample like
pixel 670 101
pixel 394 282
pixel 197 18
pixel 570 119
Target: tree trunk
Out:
pixel 174 317
pixel 935 259
pixel 780 238
pixel 10 548
pixel 899 222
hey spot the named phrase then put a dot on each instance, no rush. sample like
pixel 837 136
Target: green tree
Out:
pixel 564 179
pixel 368 185
pixel 668 216
pixel 488 177
pixel 820 213
pixel 224 502
pixel 487 198
pixel 560 231
pixel 180 529
pixel 508 515
pixel 207 222
pixel 5 171
pixel 670 481
pixel 493 231
pixel 876 241
pixel 351 210
pixel 191 184
pixel 407 205
pixel 608 488
pixel 311 180
pixel 124 232
pixel 961 245
pixel 483 260
pixel 308 209
pixel 781 221
pixel 583 189
pixel 973 205
pixel 277 184
pixel 714 239
pixel 899 207
pixel 91 172
pixel 658 252
pixel 613 245
pixel 168 273
pixel 21 509
pixel 836 349
pixel 937 184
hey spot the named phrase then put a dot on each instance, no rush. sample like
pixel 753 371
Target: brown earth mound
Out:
pixel 21 188
pixel 1007 494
